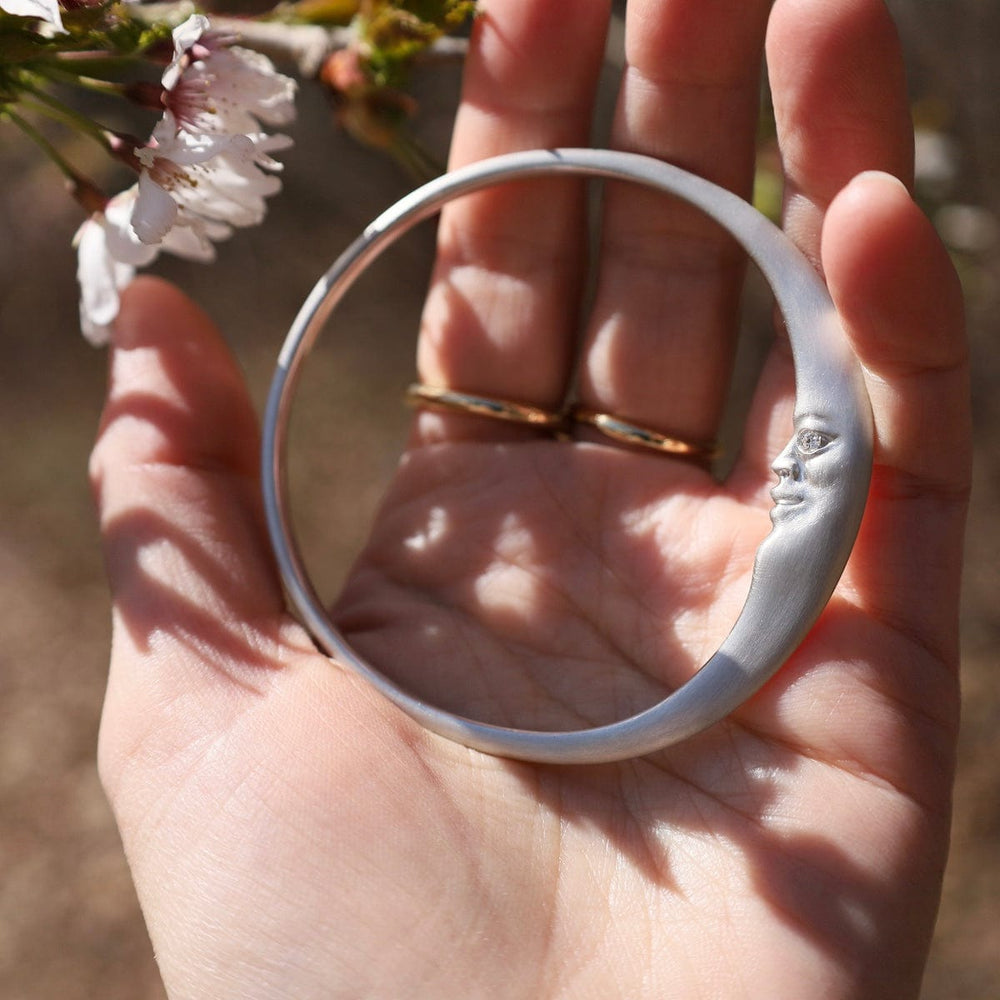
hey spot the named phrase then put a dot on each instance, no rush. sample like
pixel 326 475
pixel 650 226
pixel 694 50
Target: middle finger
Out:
pixel 658 350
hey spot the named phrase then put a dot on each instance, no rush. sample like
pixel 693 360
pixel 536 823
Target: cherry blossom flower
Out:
pixel 209 156
pixel 212 85
pixel 206 169
pixel 210 177
pixel 109 252
pixel 45 10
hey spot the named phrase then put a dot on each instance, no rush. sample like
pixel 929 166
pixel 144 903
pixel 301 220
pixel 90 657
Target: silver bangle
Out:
pixel 823 473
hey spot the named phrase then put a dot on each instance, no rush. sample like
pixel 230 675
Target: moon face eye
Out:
pixel 810 441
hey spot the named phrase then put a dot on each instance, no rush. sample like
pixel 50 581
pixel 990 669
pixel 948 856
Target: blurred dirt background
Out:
pixel 69 924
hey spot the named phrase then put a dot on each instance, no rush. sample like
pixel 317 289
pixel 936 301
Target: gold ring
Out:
pixel 436 397
pixel 643 437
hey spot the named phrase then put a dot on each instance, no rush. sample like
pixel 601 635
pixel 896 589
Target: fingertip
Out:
pixel 175 392
pixel 891 278
pixel 871 190
pixel 153 311
pixel 900 301
pixel 881 178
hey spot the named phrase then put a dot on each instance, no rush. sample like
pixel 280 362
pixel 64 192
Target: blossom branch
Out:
pixel 302 46
pixel 308 46
pixel 208 166
pixel 65 167
pixel 52 107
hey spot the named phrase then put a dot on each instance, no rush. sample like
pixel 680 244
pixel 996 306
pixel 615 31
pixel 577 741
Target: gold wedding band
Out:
pixel 440 398
pixel 643 437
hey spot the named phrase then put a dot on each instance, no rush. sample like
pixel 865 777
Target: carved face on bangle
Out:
pixel 810 471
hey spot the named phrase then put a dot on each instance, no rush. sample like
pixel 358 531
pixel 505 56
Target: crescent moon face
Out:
pixel 806 470
pixel 818 497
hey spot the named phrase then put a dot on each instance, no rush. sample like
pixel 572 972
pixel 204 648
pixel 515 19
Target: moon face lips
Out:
pixel 785 505
pixel 782 498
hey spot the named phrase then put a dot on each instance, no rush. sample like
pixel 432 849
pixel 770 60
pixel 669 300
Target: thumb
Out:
pixel 901 303
pixel 197 606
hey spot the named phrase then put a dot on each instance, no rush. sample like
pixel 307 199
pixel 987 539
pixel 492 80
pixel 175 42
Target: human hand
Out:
pixel 293 834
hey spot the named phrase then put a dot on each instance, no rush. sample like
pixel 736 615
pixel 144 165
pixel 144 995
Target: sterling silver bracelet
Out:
pixel 823 473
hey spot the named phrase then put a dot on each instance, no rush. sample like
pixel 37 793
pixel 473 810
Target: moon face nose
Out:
pixel 785 467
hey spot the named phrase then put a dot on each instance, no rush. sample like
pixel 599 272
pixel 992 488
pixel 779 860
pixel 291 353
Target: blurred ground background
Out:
pixel 69 924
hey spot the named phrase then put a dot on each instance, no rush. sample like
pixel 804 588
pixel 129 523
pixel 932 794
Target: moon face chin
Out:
pixel 786 508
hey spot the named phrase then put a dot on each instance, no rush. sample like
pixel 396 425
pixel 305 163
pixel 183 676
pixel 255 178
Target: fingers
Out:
pixel 901 303
pixel 840 103
pixel 659 346
pixel 500 316
pixel 197 606
pixel 839 92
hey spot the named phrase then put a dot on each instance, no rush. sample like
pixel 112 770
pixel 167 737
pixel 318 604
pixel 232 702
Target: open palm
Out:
pixel 293 834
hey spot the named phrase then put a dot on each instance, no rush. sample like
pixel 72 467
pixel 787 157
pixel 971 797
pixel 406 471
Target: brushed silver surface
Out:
pixel 823 473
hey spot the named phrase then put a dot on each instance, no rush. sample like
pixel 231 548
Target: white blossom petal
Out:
pixel 264 144
pixel 244 79
pixel 123 243
pixel 45 10
pixel 214 86
pixel 107 256
pixel 171 142
pixel 192 239
pixel 101 279
pixel 155 210
pixel 185 36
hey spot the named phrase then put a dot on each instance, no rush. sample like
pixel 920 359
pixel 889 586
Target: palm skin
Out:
pixel 292 834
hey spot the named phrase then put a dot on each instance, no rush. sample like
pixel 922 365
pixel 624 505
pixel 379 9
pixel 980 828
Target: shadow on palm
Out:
pixel 548 584
pixel 555 585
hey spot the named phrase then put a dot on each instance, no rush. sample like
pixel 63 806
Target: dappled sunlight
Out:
pixel 547 584
pixel 425 538
pixel 508 585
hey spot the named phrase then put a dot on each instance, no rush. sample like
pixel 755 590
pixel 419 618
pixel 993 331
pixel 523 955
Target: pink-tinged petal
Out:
pixel 44 10
pixel 248 79
pixel 185 36
pixel 155 211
